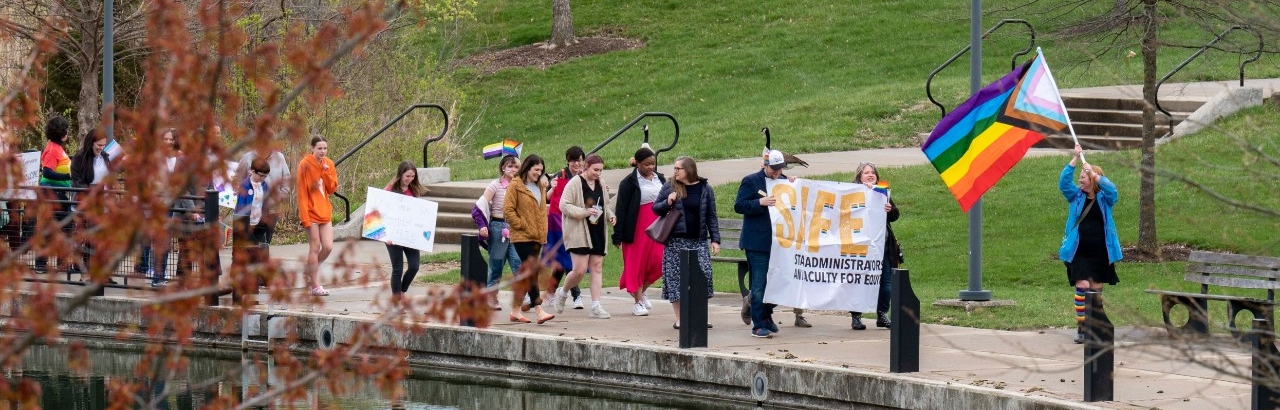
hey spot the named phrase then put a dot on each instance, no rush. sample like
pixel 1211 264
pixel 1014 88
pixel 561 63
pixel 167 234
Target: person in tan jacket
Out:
pixel 586 210
pixel 526 212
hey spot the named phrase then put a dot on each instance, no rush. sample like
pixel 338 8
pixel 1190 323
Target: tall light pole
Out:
pixel 108 70
pixel 975 292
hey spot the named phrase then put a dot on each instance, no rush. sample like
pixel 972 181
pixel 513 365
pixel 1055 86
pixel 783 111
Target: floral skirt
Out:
pixel 671 266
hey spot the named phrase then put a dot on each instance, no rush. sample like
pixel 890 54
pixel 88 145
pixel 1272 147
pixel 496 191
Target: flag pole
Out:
pixel 975 291
pixel 1065 114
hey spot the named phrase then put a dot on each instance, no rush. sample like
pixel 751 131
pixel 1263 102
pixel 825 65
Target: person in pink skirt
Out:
pixel 641 255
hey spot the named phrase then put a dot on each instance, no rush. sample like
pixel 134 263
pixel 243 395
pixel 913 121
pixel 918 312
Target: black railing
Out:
pixel 1256 55
pixel 347 202
pixel 141 264
pixel 928 84
pixel 633 123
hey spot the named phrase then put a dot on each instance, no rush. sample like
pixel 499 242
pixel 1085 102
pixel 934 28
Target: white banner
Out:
pixel 400 219
pixel 828 244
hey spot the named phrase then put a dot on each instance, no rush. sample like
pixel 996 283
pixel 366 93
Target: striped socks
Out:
pixel 1080 305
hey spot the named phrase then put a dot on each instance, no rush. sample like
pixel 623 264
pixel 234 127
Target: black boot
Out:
pixel 1080 334
pixel 882 319
pixel 857 321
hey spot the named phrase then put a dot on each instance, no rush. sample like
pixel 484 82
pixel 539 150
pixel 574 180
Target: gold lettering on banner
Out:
pixel 850 225
pixel 819 224
pixel 784 232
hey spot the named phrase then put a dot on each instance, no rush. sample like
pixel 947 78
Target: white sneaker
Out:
pixel 560 299
pixel 639 309
pixel 577 302
pixel 645 300
pixel 319 291
pixel 598 312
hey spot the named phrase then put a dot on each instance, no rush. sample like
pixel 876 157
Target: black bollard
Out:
pixel 474 269
pixel 693 301
pixel 1265 361
pixel 212 268
pixel 1099 354
pixel 904 335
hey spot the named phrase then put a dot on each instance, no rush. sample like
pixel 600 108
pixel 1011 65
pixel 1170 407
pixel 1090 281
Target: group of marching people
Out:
pixel 565 220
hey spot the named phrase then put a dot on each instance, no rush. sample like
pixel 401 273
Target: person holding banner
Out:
pixel 574 158
pixel 586 211
pixel 317 179
pixel 406 182
pixel 641 255
pixel 753 203
pixel 867 174
pixel 526 211
pixel 1090 244
pixel 695 200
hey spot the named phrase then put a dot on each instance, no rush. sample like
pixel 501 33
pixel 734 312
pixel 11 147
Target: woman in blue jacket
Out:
pixel 1090 245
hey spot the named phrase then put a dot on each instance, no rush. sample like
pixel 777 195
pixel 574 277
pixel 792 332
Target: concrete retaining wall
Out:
pixel 626 365
pixel 1225 103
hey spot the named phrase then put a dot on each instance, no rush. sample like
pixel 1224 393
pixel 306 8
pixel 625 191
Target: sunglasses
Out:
pixel 260 173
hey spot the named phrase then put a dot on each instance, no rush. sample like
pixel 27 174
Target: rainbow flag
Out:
pixel 504 147
pixel 975 145
pixel 882 187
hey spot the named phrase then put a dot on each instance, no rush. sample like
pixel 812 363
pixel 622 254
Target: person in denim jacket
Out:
pixel 1090 244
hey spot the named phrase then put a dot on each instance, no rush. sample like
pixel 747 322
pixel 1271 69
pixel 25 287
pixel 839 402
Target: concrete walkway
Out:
pixel 1151 371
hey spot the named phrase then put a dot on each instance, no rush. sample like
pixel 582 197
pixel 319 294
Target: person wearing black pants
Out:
pixel 406 182
pixel 867 174
pixel 526 212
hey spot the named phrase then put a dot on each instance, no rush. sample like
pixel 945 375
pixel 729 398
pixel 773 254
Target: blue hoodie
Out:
pixel 1076 199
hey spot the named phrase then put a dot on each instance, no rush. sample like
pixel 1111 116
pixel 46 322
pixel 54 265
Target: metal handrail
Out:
pixel 1256 55
pixel 1012 65
pixel 347 202
pixel 646 132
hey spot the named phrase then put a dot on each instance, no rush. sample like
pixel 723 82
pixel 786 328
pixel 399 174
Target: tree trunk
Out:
pixel 88 110
pixel 1147 242
pixel 561 24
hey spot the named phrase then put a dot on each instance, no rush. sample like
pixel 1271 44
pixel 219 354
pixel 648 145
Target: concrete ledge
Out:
pixel 1223 104
pixel 695 372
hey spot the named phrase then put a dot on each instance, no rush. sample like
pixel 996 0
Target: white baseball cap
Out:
pixel 774 160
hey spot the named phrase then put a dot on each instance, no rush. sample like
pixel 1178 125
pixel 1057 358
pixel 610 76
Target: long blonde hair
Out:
pixel 1094 177
pixel 690 172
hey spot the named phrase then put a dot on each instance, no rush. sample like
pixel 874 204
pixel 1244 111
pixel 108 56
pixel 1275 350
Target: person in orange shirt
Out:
pixel 317 179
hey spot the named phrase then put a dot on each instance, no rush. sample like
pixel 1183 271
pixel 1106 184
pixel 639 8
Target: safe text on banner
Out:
pixel 828 245
pixel 400 219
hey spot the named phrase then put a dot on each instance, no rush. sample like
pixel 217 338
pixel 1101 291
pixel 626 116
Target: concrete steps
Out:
pixel 1110 123
pixel 453 219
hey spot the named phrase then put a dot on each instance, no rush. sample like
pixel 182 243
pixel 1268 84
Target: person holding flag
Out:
pixel 867 174
pixel 1090 244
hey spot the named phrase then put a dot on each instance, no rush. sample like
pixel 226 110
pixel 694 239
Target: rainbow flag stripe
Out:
pixel 975 145
pixel 881 187
pixel 504 147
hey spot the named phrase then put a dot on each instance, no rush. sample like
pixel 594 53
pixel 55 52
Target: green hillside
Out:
pixel 823 76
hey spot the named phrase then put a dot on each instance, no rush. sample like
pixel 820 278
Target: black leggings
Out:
pixel 399 254
pixel 527 251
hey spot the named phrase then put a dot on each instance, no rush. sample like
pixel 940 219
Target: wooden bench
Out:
pixel 1228 271
pixel 730 232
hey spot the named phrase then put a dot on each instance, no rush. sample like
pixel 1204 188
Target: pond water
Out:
pixel 426 389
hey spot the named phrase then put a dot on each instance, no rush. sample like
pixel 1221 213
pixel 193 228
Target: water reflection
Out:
pixel 231 372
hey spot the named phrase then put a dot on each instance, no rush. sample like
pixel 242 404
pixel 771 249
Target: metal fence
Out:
pixel 148 265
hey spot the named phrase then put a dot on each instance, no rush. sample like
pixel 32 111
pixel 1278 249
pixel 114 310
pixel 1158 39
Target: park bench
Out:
pixel 730 231
pixel 1226 271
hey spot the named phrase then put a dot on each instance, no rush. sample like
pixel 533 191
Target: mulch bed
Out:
pixel 538 55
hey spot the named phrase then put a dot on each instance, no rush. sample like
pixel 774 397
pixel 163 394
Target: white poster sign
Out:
pixel 30 177
pixel 400 219
pixel 828 245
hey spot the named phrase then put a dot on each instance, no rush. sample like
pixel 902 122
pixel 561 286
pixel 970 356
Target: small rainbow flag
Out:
pixel 373 227
pixel 504 147
pixel 882 187
pixel 975 145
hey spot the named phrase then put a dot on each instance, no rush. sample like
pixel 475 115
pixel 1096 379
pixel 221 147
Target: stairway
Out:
pixel 1110 123
pixel 454 215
